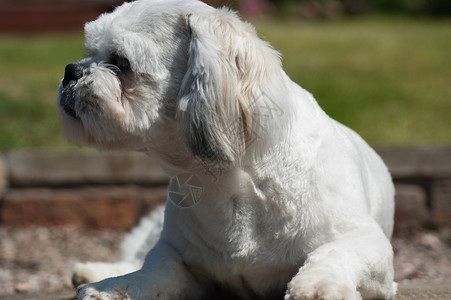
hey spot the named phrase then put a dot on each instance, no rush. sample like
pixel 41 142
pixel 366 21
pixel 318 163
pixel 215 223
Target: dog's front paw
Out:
pixel 128 287
pixel 96 271
pixel 105 290
pixel 91 292
pixel 316 286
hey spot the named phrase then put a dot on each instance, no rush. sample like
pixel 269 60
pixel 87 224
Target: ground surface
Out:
pixel 35 263
pixel 407 291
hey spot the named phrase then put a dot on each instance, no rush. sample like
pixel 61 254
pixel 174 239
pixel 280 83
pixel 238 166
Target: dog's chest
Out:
pixel 243 237
pixel 257 283
pixel 247 250
pixel 247 275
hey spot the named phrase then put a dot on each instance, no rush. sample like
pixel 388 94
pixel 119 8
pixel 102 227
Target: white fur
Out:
pixel 293 203
pixel 134 248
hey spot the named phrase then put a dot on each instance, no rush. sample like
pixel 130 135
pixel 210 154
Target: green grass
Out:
pixel 388 79
pixel 30 70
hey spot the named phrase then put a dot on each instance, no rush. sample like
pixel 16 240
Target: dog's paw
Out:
pixel 129 287
pixel 133 286
pixel 320 287
pixel 105 291
pixel 97 271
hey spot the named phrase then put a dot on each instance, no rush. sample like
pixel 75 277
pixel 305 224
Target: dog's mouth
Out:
pixel 70 111
pixel 67 103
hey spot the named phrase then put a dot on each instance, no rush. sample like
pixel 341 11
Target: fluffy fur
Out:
pixel 293 203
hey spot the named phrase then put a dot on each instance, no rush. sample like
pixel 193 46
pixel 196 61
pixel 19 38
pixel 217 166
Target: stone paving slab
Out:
pixel 3 176
pixel 61 168
pixel 409 291
pixel 420 161
pixel 41 168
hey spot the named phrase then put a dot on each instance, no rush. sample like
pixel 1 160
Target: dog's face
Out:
pixel 130 80
pixel 174 71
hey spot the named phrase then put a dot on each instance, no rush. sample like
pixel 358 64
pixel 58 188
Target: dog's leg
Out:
pixel 96 271
pixel 356 265
pixel 163 276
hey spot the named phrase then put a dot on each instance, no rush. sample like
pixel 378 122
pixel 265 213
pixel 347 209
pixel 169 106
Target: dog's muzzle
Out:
pixel 72 74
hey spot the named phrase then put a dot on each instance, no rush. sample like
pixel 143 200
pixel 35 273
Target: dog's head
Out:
pixel 176 74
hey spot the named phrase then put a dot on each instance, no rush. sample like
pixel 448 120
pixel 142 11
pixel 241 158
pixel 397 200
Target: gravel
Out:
pixel 39 260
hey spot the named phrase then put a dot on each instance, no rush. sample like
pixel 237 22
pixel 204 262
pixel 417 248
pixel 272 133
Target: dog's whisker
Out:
pixel 113 68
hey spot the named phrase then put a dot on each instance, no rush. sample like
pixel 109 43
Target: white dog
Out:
pixel 270 197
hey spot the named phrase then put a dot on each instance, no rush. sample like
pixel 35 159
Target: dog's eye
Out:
pixel 119 61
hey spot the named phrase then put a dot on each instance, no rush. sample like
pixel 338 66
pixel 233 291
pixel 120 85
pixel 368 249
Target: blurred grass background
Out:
pixel 30 70
pixel 388 78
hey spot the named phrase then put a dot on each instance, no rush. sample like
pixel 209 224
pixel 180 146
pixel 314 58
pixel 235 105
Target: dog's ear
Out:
pixel 226 64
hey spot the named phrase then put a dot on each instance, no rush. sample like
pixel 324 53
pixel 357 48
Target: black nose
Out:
pixel 73 72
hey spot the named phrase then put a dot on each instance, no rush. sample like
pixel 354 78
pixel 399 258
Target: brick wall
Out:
pixel 57 15
pixel 50 15
pixel 114 190
pixel 78 189
pixel 423 185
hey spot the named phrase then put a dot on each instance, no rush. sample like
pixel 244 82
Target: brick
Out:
pixel 50 15
pixel 43 168
pixel 87 207
pixel 411 211
pixel 441 202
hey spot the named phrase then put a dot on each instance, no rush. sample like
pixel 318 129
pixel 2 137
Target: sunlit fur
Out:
pixel 293 203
